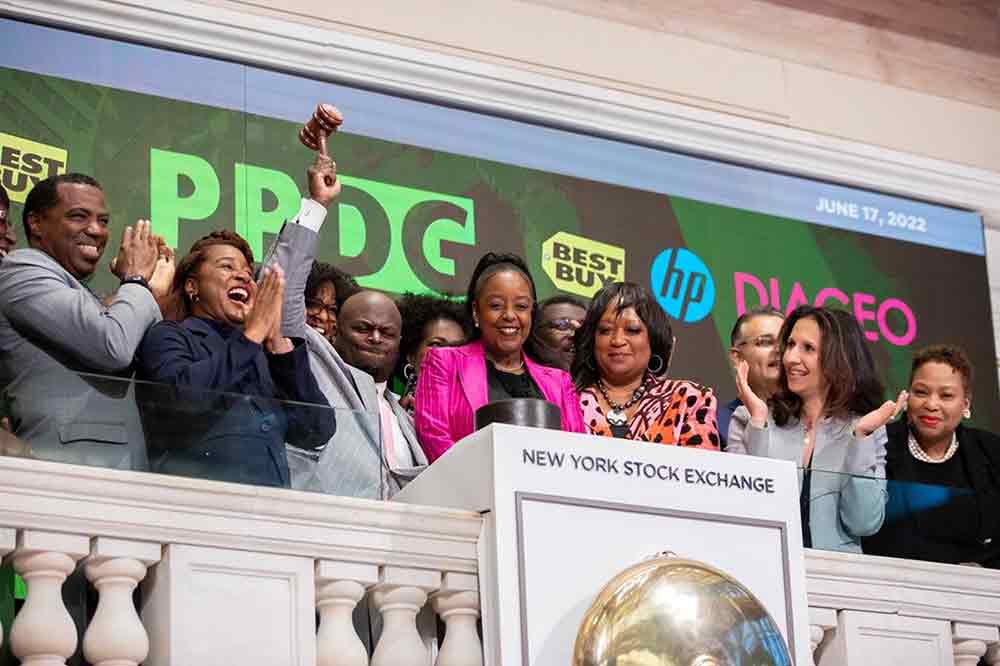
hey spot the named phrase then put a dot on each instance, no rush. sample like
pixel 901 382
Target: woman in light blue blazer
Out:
pixel 828 417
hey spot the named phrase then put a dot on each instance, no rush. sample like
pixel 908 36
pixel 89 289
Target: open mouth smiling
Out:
pixel 239 294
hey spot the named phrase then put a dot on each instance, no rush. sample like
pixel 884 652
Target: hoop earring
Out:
pixel 659 364
pixel 410 375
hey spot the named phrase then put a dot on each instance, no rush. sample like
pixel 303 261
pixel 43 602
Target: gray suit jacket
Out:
pixel 847 485
pixel 352 463
pixel 52 329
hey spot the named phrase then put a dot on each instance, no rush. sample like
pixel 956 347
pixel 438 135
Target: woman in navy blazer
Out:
pixel 456 381
pixel 227 352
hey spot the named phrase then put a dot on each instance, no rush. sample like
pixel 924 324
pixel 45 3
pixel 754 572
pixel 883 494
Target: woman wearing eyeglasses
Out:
pixel 553 335
pixel 620 369
pixel 326 288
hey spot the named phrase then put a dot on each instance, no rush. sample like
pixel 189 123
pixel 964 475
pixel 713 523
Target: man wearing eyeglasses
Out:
pixel 552 337
pixel 754 339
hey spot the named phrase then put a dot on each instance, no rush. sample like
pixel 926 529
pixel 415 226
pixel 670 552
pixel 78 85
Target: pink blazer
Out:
pixel 453 386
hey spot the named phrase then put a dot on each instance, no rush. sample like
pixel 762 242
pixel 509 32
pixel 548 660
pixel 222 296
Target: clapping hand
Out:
pixel 877 418
pixel 265 315
pixel 754 404
pixel 138 253
pixel 162 281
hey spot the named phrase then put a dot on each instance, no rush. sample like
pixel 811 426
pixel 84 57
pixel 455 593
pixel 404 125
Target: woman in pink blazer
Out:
pixel 456 381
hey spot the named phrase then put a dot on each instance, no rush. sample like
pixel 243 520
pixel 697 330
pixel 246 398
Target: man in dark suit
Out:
pixel 63 352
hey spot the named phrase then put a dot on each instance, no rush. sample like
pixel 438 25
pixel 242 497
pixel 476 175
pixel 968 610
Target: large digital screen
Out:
pixel 197 144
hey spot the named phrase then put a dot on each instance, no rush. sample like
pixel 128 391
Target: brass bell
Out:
pixel 670 611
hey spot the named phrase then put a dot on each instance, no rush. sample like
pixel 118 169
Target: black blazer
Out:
pixel 216 412
pixel 936 523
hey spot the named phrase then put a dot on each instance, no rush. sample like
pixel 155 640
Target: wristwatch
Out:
pixel 136 279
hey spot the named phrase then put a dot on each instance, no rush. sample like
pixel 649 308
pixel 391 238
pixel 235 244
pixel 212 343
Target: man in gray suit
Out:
pixel 63 353
pixel 355 461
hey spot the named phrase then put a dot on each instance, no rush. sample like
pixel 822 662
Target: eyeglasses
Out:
pixel 314 307
pixel 564 324
pixel 761 342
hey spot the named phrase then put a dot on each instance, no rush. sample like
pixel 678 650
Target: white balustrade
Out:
pixel 821 620
pixel 43 633
pixel 970 642
pixel 116 636
pixel 399 596
pixel 339 588
pixel 457 602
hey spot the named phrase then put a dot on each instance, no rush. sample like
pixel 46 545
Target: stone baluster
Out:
pixel 457 602
pixel 992 655
pixel 8 541
pixel 115 636
pixel 399 596
pixel 821 620
pixel 969 642
pixel 339 588
pixel 43 633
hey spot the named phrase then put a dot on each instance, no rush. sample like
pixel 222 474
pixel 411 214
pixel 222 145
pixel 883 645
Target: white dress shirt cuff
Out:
pixel 311 215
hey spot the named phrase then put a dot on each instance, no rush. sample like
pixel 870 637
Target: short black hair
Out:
pixel 343 284
pixel 561 299
pixel 418 310
pixel 623 295
pixel 4 198
pixel 752 313
pixel 45 195
pixel 951 355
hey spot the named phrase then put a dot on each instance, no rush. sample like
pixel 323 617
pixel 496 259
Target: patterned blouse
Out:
pixel 673 411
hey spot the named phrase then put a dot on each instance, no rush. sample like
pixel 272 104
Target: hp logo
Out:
pixel 681 283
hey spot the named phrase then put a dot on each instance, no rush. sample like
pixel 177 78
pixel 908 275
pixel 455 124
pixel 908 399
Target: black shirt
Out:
pixel 506 385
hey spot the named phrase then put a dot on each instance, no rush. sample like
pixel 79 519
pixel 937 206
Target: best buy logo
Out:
pixel 581 266
pixel 24 162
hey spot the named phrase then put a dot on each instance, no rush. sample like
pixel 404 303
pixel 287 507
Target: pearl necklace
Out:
pixel 917 452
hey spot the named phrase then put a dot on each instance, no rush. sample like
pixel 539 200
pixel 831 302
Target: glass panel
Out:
pixel 905 519
pixel 187 431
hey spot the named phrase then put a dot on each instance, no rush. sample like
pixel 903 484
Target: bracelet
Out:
pixel 136 279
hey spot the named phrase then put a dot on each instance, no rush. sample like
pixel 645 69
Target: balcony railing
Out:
pixel 195 545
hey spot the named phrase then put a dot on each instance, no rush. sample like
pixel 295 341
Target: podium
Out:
pixel 566 512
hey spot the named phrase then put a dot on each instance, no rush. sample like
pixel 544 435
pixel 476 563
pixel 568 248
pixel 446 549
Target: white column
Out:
pixel 339 588
pixel 43 633
pixel 399 596
pixel 8 540
pixel 116 637
pixel 457 602
pixel 821 620
pixel 970 640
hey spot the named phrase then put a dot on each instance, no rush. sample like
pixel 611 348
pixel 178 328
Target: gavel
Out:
pixel 324 122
